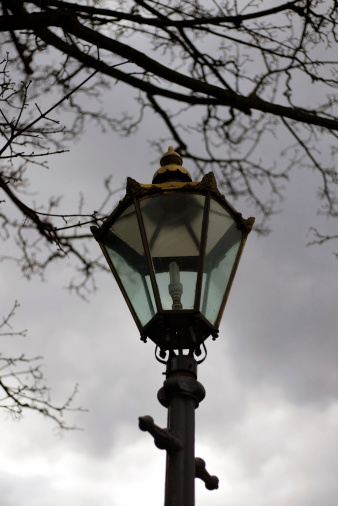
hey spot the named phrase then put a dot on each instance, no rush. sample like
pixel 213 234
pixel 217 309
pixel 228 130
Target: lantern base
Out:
pixel 179 330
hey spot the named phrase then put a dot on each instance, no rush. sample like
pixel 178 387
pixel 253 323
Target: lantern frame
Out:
pixel 175 329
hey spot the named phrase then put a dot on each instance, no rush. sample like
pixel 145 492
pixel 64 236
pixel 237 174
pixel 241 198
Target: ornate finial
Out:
pixel 171 169
pixel 171 157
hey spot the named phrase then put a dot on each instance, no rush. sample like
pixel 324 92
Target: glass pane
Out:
pixel 223 241
pixel 173 224
pixel 123 244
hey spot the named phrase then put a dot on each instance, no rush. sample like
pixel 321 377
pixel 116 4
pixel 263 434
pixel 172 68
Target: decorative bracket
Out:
pixel 211 482
pixel 164 439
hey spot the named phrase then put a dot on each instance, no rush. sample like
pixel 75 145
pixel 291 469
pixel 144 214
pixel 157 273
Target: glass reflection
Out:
pixel 124 246
pixel 173 225
pixel 223 241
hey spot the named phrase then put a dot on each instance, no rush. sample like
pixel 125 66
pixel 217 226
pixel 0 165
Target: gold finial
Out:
pixel 171 168
pixel 171 157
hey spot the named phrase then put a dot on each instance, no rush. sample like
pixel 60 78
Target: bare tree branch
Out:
pixel 224 80
pixel 23 385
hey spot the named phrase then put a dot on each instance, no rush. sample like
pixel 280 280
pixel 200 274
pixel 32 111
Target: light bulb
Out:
pixel 175 286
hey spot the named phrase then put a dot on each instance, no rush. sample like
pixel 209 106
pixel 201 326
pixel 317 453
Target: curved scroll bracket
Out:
pixel 211 482
pixel 198 353
pixel 164 439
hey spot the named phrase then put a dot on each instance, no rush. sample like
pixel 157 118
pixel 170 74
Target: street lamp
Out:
pixel 174 248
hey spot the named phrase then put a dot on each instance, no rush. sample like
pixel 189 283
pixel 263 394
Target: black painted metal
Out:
pixel 172 329
pixel 211 482
pixel 181 394
pixel 164 439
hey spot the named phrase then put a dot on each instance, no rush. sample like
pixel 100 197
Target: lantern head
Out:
pixel 174 248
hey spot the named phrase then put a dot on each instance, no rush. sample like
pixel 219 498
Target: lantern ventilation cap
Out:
pixel 171 169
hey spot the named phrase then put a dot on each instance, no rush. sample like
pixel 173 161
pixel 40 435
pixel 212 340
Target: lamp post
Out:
pixel 174 248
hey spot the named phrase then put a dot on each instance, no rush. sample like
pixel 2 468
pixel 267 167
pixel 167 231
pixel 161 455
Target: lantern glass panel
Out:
pixel 223 242
pixel 173 225
pixel 124 246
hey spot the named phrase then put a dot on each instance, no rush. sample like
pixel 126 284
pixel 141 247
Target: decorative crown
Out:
pixel 171 169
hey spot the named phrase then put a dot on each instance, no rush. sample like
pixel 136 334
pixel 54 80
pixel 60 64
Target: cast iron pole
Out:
pixel 181 394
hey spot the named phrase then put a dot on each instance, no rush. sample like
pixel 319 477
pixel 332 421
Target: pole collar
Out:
pixel 181 386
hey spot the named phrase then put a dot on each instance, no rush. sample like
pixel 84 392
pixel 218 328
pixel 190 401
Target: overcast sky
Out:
pixel 268 425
